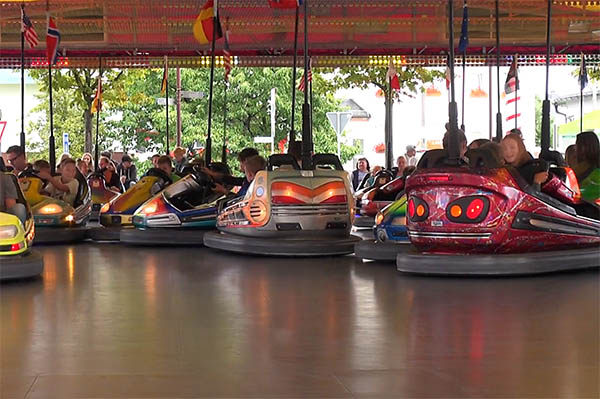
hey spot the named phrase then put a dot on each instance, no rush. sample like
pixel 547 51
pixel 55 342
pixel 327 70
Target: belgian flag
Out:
pixel 205 24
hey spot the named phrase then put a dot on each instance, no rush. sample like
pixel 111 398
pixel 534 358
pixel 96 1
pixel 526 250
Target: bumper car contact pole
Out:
pixel 498 113
pixel 454 151
pixel 208 154
pixel 307 141
pixel 545 139
pixel 22 136
pixel 294 63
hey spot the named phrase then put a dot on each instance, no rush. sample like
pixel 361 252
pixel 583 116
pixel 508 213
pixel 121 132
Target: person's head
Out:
pixel 87 157
pixel 64 156
pixel 83 167
pixel 410 150
pixel 154 160
pixel 517 132
pixel 478 143
pixel 126 161
pixel 588 148
pixel 164 163
pixel 68 170
pixel 104 162
pixel 41 165
pixel 111 166
pixel 571 155
pixel 245 154
pixel 401 163
pixel 179 153
pixel 16 157
pixel 363 165
pixel 376 169
pixel 495 150
pixel 106 154
pixel 513 150
pixel 462 141
pixel 253 165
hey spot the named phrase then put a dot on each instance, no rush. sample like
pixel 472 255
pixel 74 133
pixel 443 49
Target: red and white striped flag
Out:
pixel 227 63
pixel 302 83
pixel 27 30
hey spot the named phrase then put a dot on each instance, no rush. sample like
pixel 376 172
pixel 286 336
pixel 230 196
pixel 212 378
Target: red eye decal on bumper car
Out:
pixel 468 209
pixel 417 209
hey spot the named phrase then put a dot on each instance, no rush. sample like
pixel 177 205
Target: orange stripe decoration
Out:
pixel 291 193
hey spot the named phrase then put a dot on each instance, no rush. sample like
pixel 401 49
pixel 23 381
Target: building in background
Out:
pixel 567 115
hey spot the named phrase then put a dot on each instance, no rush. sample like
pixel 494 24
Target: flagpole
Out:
pixel 208 155
pixel 307 140
pixel 581 66
pixel 292 130
pixel 498 113
pixel 22 137
pixel 167 100
pixel 516 92
pixel 98 107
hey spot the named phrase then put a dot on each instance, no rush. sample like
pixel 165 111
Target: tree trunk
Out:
pixel 89 142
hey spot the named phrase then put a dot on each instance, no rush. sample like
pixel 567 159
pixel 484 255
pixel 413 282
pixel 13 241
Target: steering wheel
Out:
pixel 202 179
pixel 387 174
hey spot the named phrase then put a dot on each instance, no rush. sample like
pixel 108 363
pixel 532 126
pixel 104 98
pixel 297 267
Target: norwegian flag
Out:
pixel 52 41
pixel 27 30
pixel 227 63
pixel 285 3
pixel 302 83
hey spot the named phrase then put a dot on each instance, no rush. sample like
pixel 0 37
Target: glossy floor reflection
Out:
pixel 113 321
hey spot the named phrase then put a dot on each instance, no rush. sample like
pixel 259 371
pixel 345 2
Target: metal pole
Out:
pixel 581 94
pixel 52 147
pixel 178 96
pixel 22 141
pixel 307 140
pixel 453 150
pixel 96 152
pixel 464 77
pixel 516 92
pixel 339 122
pixel 292 130
pixel 490 87
pixel 224 147
pixel 498 113
pixel 388 127
pixel 167 101
pixel 208 156
pixel 545 142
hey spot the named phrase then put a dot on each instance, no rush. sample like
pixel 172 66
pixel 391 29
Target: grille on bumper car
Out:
pixel 310 210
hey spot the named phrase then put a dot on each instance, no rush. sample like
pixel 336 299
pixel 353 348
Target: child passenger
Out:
pixel 65 186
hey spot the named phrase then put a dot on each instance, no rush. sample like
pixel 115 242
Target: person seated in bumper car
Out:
pixel 164 163
pixel 65 186
pixel 400 165
pixel 251 167
pixel 17 159
pixel 109 171
pixel 374 171
pixel 587 168
pixel 8 198
pixel 224 179
pixel 515 154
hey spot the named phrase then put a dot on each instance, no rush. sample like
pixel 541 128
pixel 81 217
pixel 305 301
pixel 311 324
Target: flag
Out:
pixel 464 33
pixel 285 3
pixel 227 63
pixel 97 103
pixel 512 79
pixel 203 27
pixel 392 77
pixel 448 78
pixel 302 84
pixel 27 30
pixel 583 78
pixel 52 41
pixel 165 79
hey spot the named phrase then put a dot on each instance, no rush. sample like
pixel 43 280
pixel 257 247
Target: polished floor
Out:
pixel 113 321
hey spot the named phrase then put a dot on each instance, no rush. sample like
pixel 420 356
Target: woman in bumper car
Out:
pixel 587 168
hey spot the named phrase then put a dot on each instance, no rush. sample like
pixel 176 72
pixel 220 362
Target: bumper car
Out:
pixel 366 218
pixel 55 220
pixel 484 219
pixel 17 260
pixel 390 234
pixel 117 214
pixel 100 194
pixel 290 212
pixel 179 215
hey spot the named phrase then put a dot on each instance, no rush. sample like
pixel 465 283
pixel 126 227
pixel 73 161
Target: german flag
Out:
pixel 204 25
pixel 97 103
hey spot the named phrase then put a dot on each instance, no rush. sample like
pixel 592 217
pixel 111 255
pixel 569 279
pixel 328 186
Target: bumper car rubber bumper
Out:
pixel 379 251
pixel 281 246
pixel 30 264
pixel 411 261
pixel 364 221
pixel 101 233
pixel 163 236
pixel 52 235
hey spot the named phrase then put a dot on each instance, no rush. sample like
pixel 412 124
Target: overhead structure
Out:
pixel 133 33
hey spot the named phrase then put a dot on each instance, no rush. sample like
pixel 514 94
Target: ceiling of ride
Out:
pixel 337 28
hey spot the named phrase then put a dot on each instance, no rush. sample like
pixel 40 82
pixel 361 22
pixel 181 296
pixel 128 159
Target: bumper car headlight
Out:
pixel 7 232
pixel 378 218
pixel 105 208
pixel 51 209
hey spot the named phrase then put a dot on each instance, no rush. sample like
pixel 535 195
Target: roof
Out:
pixel 337 28
pixel 358 112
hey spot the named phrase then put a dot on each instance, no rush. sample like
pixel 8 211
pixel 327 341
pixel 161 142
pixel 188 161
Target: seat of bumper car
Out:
pixel 482 158
pixel 276 161
pixel 327 161
pixel 83 190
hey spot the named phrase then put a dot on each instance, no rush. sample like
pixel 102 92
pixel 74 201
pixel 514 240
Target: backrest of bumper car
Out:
pixel 278 160
pixel 220 167
pixel 433 159
pixel 327 160
pixel 554 158
pixel 82 191
pixel 482 158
